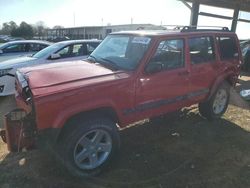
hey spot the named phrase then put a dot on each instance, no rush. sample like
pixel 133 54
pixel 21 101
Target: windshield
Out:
pixel 121 51
pixel 47 51
pixel 3 45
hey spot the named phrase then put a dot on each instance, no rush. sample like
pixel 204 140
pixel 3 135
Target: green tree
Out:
pixel 24 30
pixel 57 27
pixel 8 27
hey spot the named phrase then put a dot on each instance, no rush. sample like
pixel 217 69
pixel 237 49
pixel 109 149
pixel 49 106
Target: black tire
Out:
pixel 85 129
pixel 208 110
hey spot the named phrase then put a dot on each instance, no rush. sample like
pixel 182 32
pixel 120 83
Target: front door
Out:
pixel 164 85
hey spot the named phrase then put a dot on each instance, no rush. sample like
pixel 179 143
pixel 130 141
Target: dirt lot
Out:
pixel 183 150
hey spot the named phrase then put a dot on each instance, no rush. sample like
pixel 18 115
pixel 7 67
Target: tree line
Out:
pixel 24 30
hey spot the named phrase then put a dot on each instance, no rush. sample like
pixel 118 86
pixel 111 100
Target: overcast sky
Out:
pixel 70 13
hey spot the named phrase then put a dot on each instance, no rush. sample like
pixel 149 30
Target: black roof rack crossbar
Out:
pixel 206 28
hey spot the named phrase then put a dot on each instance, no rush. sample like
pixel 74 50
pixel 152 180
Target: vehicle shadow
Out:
pixel 181 150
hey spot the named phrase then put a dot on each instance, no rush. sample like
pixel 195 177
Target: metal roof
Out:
pixel 78 41
pixel 243 5
pixel 29 41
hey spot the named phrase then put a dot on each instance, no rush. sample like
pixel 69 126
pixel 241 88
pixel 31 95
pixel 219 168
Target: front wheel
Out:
pixel 217 105
pixel 90 146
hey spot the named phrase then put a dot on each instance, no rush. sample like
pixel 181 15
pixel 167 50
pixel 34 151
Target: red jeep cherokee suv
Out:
pixel 78 107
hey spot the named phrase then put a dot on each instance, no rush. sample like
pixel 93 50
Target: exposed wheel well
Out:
pixel 230 80
pixel 95 113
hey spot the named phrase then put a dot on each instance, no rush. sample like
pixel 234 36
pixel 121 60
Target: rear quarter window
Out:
pixel 227 47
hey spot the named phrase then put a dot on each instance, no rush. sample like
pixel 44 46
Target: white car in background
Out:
pixel 58 52
pixel 14 49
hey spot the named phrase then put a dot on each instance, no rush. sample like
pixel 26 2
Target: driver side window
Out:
pixel 65 52
pixel 169 54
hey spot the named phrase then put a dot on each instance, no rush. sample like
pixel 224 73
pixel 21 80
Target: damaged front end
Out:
pixel 19 125
pixel 19 132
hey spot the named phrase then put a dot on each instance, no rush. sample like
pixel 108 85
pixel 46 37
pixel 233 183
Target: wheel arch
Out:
pixel 108 112
pixel 230 78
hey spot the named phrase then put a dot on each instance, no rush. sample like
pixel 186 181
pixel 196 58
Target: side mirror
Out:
pixel 154 67
pixel 55 56
pixel 1 51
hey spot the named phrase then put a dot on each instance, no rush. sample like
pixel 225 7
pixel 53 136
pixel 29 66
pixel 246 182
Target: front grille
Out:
pixel 26 93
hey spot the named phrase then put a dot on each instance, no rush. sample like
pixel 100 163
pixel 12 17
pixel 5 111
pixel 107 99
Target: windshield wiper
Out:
pixel 109 63
pixel 92 59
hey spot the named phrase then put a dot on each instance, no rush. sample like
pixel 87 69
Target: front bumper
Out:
pixel 20 132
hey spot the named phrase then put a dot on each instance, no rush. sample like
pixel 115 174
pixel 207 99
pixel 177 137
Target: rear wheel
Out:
pixel 90 146
pixel 217 105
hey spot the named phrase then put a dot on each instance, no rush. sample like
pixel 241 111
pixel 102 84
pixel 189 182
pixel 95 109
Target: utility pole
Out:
pixel 74 17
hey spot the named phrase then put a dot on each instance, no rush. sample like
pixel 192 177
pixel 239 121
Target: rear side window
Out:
pixel 228 48
pixel 79 50
pixel 42 46
pixel 35 47
pixel 201 50
pixel 92 46
pixel 14 48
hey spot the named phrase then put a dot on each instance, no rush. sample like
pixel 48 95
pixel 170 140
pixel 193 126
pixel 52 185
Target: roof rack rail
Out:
pixel 173 27
pixel 204 28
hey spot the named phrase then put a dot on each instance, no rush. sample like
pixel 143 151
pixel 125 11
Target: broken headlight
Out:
pixel 21 79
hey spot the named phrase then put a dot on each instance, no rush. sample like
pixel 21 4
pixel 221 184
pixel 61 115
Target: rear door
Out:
pixel 203 66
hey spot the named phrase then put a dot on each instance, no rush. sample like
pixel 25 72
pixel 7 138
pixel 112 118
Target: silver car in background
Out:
pixel 61 51
pixel 14 49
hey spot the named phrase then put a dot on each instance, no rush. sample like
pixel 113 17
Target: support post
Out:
pixel 194 13
pixel 235 20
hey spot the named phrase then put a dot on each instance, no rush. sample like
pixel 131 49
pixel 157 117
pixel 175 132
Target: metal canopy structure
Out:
pixel 236 5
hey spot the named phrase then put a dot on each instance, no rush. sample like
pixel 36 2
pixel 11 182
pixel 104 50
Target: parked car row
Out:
pixel 7 38
pixel 57 52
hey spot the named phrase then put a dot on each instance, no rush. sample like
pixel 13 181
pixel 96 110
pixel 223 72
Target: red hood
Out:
pixel 58 74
